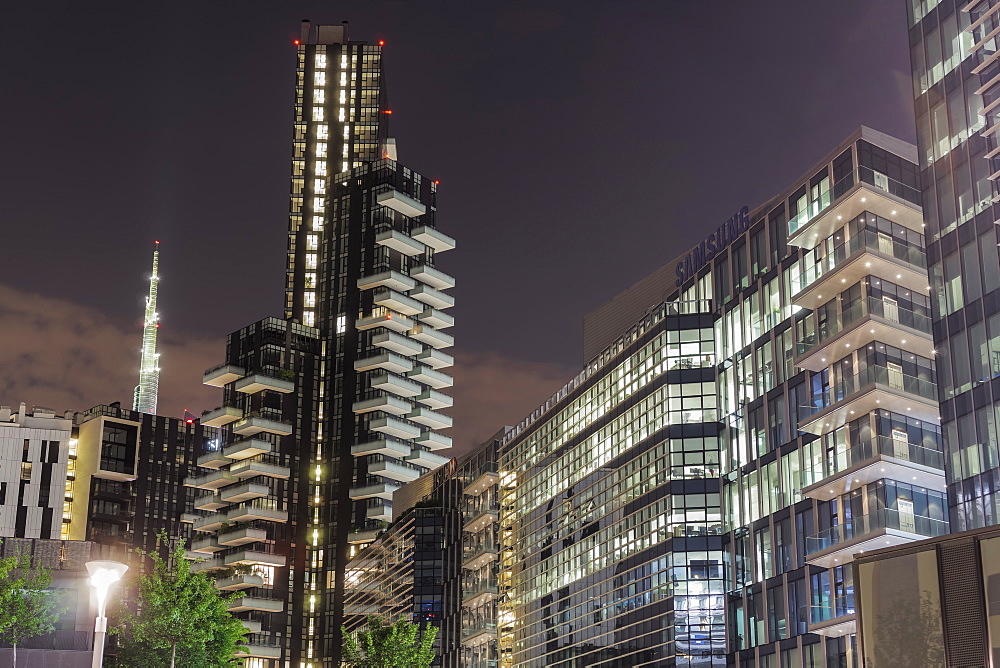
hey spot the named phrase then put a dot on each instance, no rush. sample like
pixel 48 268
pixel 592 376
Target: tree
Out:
pixel 383 644
pixel 180 618
pixel 27 607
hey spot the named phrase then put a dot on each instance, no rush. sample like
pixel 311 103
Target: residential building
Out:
pixel 931 603
pixel 363 290
pixel 435 564
pixel 36 465
pixel 955 68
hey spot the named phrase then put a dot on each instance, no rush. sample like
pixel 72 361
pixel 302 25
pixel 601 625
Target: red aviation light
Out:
pixel 381 42
pixel 296 42
pixel 437 183
pixel 387 111
pixel 190 420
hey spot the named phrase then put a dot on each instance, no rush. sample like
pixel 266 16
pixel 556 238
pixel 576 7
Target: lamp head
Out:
pixel 103 574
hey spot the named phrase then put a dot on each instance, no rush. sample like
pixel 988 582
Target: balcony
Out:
pixel 832 622
pixel 433 440
pixel 436 359
pixel 386 446
pixel 893 459
pixel 397 302
pixel 399 242
pixel 213 480
pixel 386 403
pixel 247 447
pixel 260 649
pixel 249 468
pixel 394 470
pixel 477 555
pixel 209 523
pixel 387 279
pixel 210 501
pixel 253 511
pixel 404 204
pixel 426 458
pixel 431 237
pixel 382 490
pixel 396 343
pixel 431 297
pixel 256 557
pixel 212 460
pixel 432 277
pixel 883 528
pixel 206 545
pixel 386 361
pixel 392 427
pixel 480 592
pixel 480 517
pixel 222 375
pixel 189 518
pixel 221 416
pixel 258 382
pixel 241 581
pixel 255 425
pixel 208 565
pixel 875 388
pixel 429 418
pixel 479 633
pixel 868 253
pixel 388 382
pixel 436 319
pixel 386 319
pixel 849 198
pixel 246 603
pixel 432 337
pixel 868 320
pixel 241 535
pixel 486 478
pixel 244 492
pixel 435 399
pixel 428 376
pixel 379 510
pixel 363 536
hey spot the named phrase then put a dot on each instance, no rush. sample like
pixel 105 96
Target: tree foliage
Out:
pixel 383 644
pixel 180 618
pixel 27 607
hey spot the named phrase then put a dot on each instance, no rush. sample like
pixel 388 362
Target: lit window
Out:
pixel 341 114
pixel 343 96
pixel 309 300
pixel 319 204
pixel 322 131
pixel 318 114
pixel 312 242
pixel 343 61
pixel 344 167
pixel 345 150
pixel 310 281
pixel 321 167
pixel 320 61
pixel 319 96
pixel 347 131
pixel 319 78
pixel 343 78
pixel 341 324
pixel 309 318
pixel 319 186
pixel 321 149
pixel 318 223
pixel 311 261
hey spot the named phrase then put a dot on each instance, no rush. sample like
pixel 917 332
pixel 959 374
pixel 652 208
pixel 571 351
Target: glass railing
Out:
pixel 863 240
pixel 879 375
pixel 471 550
pixel 479 627
pixel 863 452
pixel 882 182
pixel 819 204
pixel 890 311
pixel 862 525
pixel 486 585
pixel 831 610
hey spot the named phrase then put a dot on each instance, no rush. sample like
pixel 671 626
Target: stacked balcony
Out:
pixel 882 528
pixel 402 370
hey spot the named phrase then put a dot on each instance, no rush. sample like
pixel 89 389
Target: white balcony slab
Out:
pixel 221 416
pixel 212 460
pixel 382 511
pixel 404 204
pixel 388 382
pixel 397 302
pixel 241 581
pixel 393 471
pixel 432 337
pixel 435 318
pixel 433 440
pixel 390 426
pixel 432 276
pixel 382 490
pixel 431 297
pixel 385 446
pixel 435 399
pixel 222 375
pixel 398 241
pixel 242 536
pixel 395 322
pixel 436 359
pixel 433 238
pixel 211 501
pixel 396 343
pixel 387 361
pixel 251 468
pixel 258 382
pixel 255 558
pixel 247 447
pixel 427 459
pixel 429 418
pixel 256 425
pixel 247 603
pixel 428 376
pixel 387 279
pixel 244 492
pixel 386 403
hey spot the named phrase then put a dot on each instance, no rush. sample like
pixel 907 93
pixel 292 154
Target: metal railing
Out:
pixel 869 306
pixel 882 445
pixel 863 525
pixel 878 375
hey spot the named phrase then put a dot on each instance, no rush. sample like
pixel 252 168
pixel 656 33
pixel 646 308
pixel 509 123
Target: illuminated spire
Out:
pixel 149 369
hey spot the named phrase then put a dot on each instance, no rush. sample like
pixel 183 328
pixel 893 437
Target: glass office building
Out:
pixel 956 70
pixel 610 519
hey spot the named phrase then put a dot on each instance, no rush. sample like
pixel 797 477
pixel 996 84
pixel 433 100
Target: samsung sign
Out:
pixel 727 233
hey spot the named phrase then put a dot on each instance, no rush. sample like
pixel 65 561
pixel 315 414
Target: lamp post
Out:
pixel 103 574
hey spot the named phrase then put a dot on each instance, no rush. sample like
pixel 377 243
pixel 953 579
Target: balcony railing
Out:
pixel 879 375
pixel 882 445
pixel 870 306
pixel 863 525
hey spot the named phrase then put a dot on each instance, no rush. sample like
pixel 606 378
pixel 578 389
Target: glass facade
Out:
pixel 954 57
pixel 610 520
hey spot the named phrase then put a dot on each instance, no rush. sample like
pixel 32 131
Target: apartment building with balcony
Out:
pixel 436 562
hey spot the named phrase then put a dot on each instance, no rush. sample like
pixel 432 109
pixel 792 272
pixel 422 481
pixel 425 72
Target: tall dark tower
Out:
pixel 339 403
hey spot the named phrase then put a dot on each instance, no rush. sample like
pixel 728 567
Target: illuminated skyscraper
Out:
pixel 149 368
pixel 337 405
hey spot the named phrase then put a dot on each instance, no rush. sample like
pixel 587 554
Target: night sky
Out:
pixel 579 146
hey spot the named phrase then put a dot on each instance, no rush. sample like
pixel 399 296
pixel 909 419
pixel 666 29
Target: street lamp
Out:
pixel 103 574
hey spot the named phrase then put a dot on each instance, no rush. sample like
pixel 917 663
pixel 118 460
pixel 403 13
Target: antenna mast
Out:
pixel 149 368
